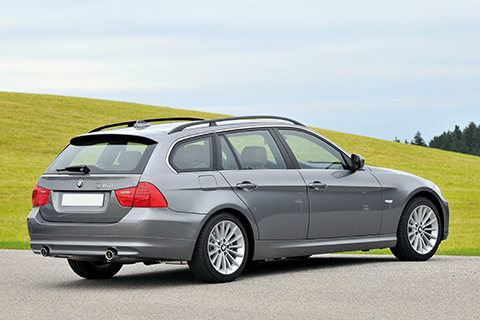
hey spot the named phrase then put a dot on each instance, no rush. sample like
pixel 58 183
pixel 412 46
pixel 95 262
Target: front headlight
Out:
pixel 437 190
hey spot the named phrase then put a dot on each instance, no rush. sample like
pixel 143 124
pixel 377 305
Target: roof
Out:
pixel 157 128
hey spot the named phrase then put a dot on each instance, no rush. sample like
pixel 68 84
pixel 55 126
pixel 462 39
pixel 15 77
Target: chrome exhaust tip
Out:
pixel 111 252
pixel 45 251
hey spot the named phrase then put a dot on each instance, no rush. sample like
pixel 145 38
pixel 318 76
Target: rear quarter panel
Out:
pixel 204 192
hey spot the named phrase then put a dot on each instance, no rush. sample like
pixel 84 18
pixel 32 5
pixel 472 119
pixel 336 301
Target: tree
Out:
pixel 466 141
pixel 440 142
pixel 470 136
pixel 460 145
pixel 418 140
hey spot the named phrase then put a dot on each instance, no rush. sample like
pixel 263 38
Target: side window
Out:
pixel 311 152
pixel 192 155
pixel 228 159
pixel 256 150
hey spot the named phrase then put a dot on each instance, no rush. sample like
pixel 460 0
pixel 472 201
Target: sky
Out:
pixel 382 69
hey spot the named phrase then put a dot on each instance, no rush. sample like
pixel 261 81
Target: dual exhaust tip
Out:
pixel 109 254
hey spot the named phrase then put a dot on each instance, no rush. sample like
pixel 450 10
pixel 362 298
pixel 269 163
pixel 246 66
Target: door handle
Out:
pixel 317 185
pixel 246 185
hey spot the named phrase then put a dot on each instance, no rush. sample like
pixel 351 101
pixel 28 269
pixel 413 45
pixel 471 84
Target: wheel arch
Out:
pixel 246 224
pixel 436 202
pixel 248 227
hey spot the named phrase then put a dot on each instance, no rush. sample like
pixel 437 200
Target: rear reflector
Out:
pixel 39 196
pixel 144 195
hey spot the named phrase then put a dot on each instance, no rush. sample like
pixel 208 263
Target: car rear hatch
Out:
pixel 84 183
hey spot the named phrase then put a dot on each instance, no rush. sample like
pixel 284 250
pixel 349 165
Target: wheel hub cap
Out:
pixel 226 247
pixel 423 229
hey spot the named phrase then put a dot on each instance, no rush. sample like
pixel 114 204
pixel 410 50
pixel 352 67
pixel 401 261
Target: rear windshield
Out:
pixel 105 154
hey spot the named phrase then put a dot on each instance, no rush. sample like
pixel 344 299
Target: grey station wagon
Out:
pixel 220 194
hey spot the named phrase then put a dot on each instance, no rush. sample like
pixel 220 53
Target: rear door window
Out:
pixel 255 150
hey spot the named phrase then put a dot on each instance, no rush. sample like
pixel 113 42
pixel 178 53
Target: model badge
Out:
pixel 99 185
pixel 79 183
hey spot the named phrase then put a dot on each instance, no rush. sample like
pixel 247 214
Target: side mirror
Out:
pixel 357 162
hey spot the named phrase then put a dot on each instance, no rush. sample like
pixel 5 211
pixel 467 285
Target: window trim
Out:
pixel 284 149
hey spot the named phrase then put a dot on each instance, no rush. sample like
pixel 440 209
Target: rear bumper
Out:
pixel 144 234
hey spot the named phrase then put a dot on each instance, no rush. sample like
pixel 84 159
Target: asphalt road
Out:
pixel 322 287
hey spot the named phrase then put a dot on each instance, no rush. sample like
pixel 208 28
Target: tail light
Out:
pixel 143 195
pixel 39 196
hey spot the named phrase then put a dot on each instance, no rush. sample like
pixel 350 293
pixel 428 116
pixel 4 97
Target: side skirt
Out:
pixel 270 249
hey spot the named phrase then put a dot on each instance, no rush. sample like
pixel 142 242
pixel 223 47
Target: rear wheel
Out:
pixel 94 270
pixel 418 235
pixel 221 251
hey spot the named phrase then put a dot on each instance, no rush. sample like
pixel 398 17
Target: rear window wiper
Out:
pixel 82 168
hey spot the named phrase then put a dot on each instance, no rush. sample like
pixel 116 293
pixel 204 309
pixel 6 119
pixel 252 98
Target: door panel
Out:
pixel 277 200
pixel 277 197
pixel 343 203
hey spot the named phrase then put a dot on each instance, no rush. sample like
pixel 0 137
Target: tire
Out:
pixel 419 231
pixel 221 251
pixel 94 270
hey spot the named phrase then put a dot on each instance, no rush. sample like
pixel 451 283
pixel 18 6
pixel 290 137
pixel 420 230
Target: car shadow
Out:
pixel 181 276
pixel 150 277
pixel 317 262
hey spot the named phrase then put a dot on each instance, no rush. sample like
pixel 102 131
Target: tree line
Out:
pixel 464 141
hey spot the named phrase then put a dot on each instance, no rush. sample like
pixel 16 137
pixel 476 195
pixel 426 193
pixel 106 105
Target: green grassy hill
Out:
pixel 35 128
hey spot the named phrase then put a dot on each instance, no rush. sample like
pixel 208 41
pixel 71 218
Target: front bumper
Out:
pixel 144 234
pixel 446 218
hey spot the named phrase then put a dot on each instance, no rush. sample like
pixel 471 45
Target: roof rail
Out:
pixel 141 123
pixel 213 122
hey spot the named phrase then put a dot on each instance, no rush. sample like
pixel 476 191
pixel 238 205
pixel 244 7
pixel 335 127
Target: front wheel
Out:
pixel 221 252
pixel 418 235
pixel 94 270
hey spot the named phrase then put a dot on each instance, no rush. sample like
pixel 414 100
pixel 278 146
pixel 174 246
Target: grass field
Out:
pixel 36 127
